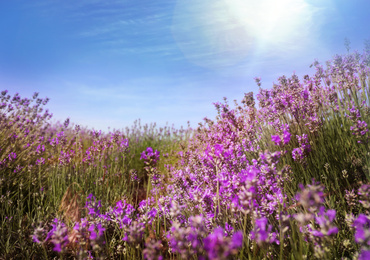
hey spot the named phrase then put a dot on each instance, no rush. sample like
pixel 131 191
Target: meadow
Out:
pixel 283 174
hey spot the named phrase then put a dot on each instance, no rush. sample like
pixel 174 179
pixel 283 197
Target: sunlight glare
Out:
pixel 222 33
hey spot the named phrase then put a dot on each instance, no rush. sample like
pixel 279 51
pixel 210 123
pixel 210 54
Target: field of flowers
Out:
pixel 286 178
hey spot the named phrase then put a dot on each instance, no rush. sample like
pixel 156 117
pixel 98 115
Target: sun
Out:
pixel 273 20
pixel 222 33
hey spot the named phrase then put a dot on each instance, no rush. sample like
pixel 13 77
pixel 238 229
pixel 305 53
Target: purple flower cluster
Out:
pixel 262 232
pixel 195 240
pixel 299 154
pixel 230 187
pixel 362 235
pixel 284 137
pixel 364 194
pixel 58 235
pixel 149 156
pixel 218 246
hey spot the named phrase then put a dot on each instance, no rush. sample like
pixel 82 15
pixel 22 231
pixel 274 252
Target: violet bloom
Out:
pixel 121 214
pixel 134 234
pixel 218 246
pixel 38 235
pixel 286 137
pixel 93 206
pixel 362 225
pixel 97 238
pixel 187 241
pixel 262 232
pixel 58 235
pixel 359 130
pixel 299 154
pixel 40 161
pixel 149 156
pixel 152 250
pixel 311 197
pixel 12 156
pixel 364 193
pixel 96 231
pixel 276 139
pixel 325 220
pixel 364 255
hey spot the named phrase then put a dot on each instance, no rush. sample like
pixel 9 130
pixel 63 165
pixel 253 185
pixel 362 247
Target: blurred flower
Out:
pixel 311 197
pixel 134 233
pixel 362 226
pixel 152 250
pixel 58 235
pixel 218 246
pixel 262 232
pixel 364 193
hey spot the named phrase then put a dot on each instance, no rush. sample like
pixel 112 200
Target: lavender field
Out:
pixel 283 174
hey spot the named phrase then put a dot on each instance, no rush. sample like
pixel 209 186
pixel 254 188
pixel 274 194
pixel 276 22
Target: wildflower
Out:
pixel 218 246
pixel 134 233
pixel 188 241
pixel 96 235
pixel 359 130
pixel 248 99
pixel 325 220
pixel 258 81
pixel 312 197
pixel 276 139
pixel 150 156
pixel 345 174
pixel 262 232
pixel 362 226
pixel 66 123
pixel 365 255
pixel 38 235
pixel 286 137
pixel 58 235
pixel 40 161
pixel 351 198
pixel 92 205
pixel 12 156
pixel 152 250
pixel 364 193
pixel 299 154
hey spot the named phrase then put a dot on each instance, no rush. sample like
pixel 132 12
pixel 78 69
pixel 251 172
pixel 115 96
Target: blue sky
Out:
pixel 105 63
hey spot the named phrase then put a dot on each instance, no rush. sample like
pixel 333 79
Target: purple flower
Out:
pixel 152 250
pixel 364 193
pixel 134 234
pixel 12 156
pixel 218 246
pixel 262 232
pixel 312 197
pixel 96 235
pixel 40 161
pixel 299 154
pixel 237 240
pixel 362 225
pixel 58 235
pixel 149 156
pixel 286 137
pixel 325 220
pixel 38 235
pixel 276 139
pixel 364 255
pixel 215 246
pixel 92 205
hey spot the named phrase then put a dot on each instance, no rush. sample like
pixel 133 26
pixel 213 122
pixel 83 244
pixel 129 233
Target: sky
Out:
pixel 106 63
